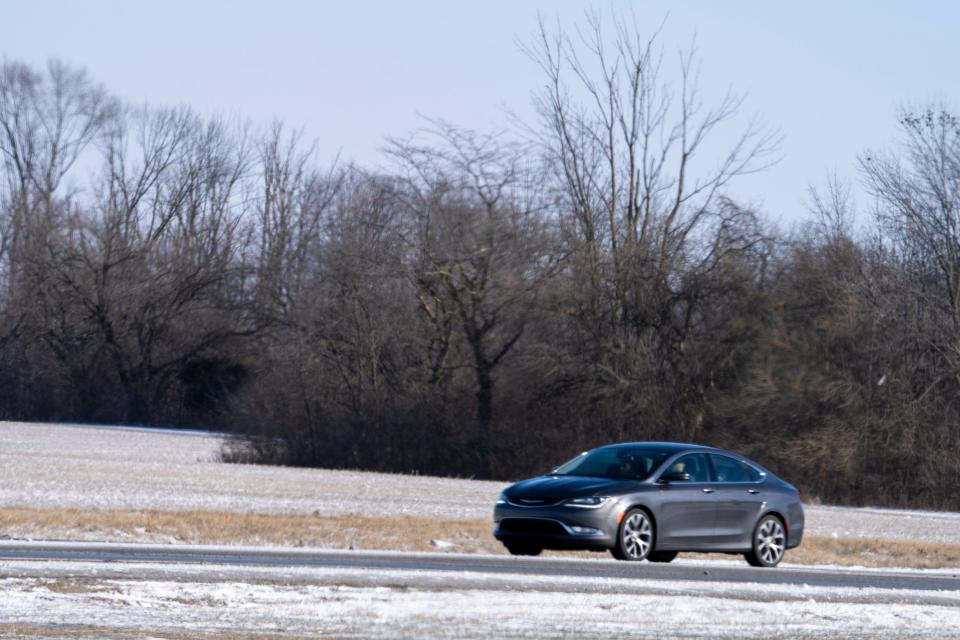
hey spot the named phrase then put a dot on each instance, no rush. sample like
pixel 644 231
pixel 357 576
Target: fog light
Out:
pixel 585 530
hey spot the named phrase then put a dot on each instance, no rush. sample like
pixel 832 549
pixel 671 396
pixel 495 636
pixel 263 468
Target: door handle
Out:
pixel 707 490
pixel 753 491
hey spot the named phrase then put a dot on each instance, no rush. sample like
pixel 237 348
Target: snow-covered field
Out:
pixel 115 468
pixel 44 465
pixel 352 603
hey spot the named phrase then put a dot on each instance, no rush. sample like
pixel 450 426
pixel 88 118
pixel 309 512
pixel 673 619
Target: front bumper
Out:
pixel 558 526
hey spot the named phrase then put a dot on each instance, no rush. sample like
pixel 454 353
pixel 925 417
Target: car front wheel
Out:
pixel 520 549
pixel 635 537
pixel 769 543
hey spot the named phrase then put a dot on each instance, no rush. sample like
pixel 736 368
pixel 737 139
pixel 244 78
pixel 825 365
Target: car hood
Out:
pixel 566 487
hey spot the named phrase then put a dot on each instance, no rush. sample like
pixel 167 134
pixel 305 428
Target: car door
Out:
pixel 739 500
pixel 687 514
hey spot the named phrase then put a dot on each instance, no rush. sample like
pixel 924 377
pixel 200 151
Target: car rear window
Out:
pixel 728 469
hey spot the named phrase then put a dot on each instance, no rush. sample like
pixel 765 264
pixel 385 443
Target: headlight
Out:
pixel 591 502
pixel 502 499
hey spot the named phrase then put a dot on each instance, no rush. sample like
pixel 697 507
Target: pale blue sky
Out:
pixel 830 76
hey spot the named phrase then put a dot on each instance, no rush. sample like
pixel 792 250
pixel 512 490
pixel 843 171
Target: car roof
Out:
pixel 670 447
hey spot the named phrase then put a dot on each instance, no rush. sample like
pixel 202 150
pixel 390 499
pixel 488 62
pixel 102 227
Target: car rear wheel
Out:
pixel 635 538
pixel 520 549
pixel 769 543
pixel 662 556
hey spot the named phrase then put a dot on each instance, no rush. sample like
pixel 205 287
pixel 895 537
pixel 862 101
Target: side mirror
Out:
pixel 674 476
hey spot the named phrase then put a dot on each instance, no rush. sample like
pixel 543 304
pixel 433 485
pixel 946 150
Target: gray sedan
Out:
pixel 651 500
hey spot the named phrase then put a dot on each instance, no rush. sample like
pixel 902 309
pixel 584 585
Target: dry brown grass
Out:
pixel 407 533
pixel 875 552
pixel 76 585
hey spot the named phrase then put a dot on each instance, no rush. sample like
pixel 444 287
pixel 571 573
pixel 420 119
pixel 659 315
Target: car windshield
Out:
pixel 619 463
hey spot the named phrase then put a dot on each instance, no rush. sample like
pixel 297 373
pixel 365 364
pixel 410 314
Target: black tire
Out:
pixel 769 543
pixel 662 556
pixel 635 537
pixel 523 549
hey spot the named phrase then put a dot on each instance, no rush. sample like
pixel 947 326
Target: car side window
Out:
pixel 729 470
pixel 695 464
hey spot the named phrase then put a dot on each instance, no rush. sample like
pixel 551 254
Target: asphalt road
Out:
pixel 466 563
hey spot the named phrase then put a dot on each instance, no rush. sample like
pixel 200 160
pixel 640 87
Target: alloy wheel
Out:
pixel 637 535
pixel 770 542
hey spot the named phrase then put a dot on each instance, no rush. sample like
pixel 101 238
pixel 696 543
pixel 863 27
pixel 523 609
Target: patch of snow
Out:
pixel 442 544
pixel 378 604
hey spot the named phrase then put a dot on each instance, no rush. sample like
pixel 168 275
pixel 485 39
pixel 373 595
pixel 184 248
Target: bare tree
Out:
pixel 481 251
pixel 150 275
pixel 47 121
pixel 643 205
pixel 292 200
pixel 918 208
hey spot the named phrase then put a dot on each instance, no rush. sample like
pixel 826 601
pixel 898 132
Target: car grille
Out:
pixel 528 501
pixel 532 526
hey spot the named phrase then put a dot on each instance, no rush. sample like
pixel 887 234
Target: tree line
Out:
pixel 489 303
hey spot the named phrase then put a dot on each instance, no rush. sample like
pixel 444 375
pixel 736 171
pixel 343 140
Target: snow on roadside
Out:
pixel 388 604
pixel 64 466
pixel 382 612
